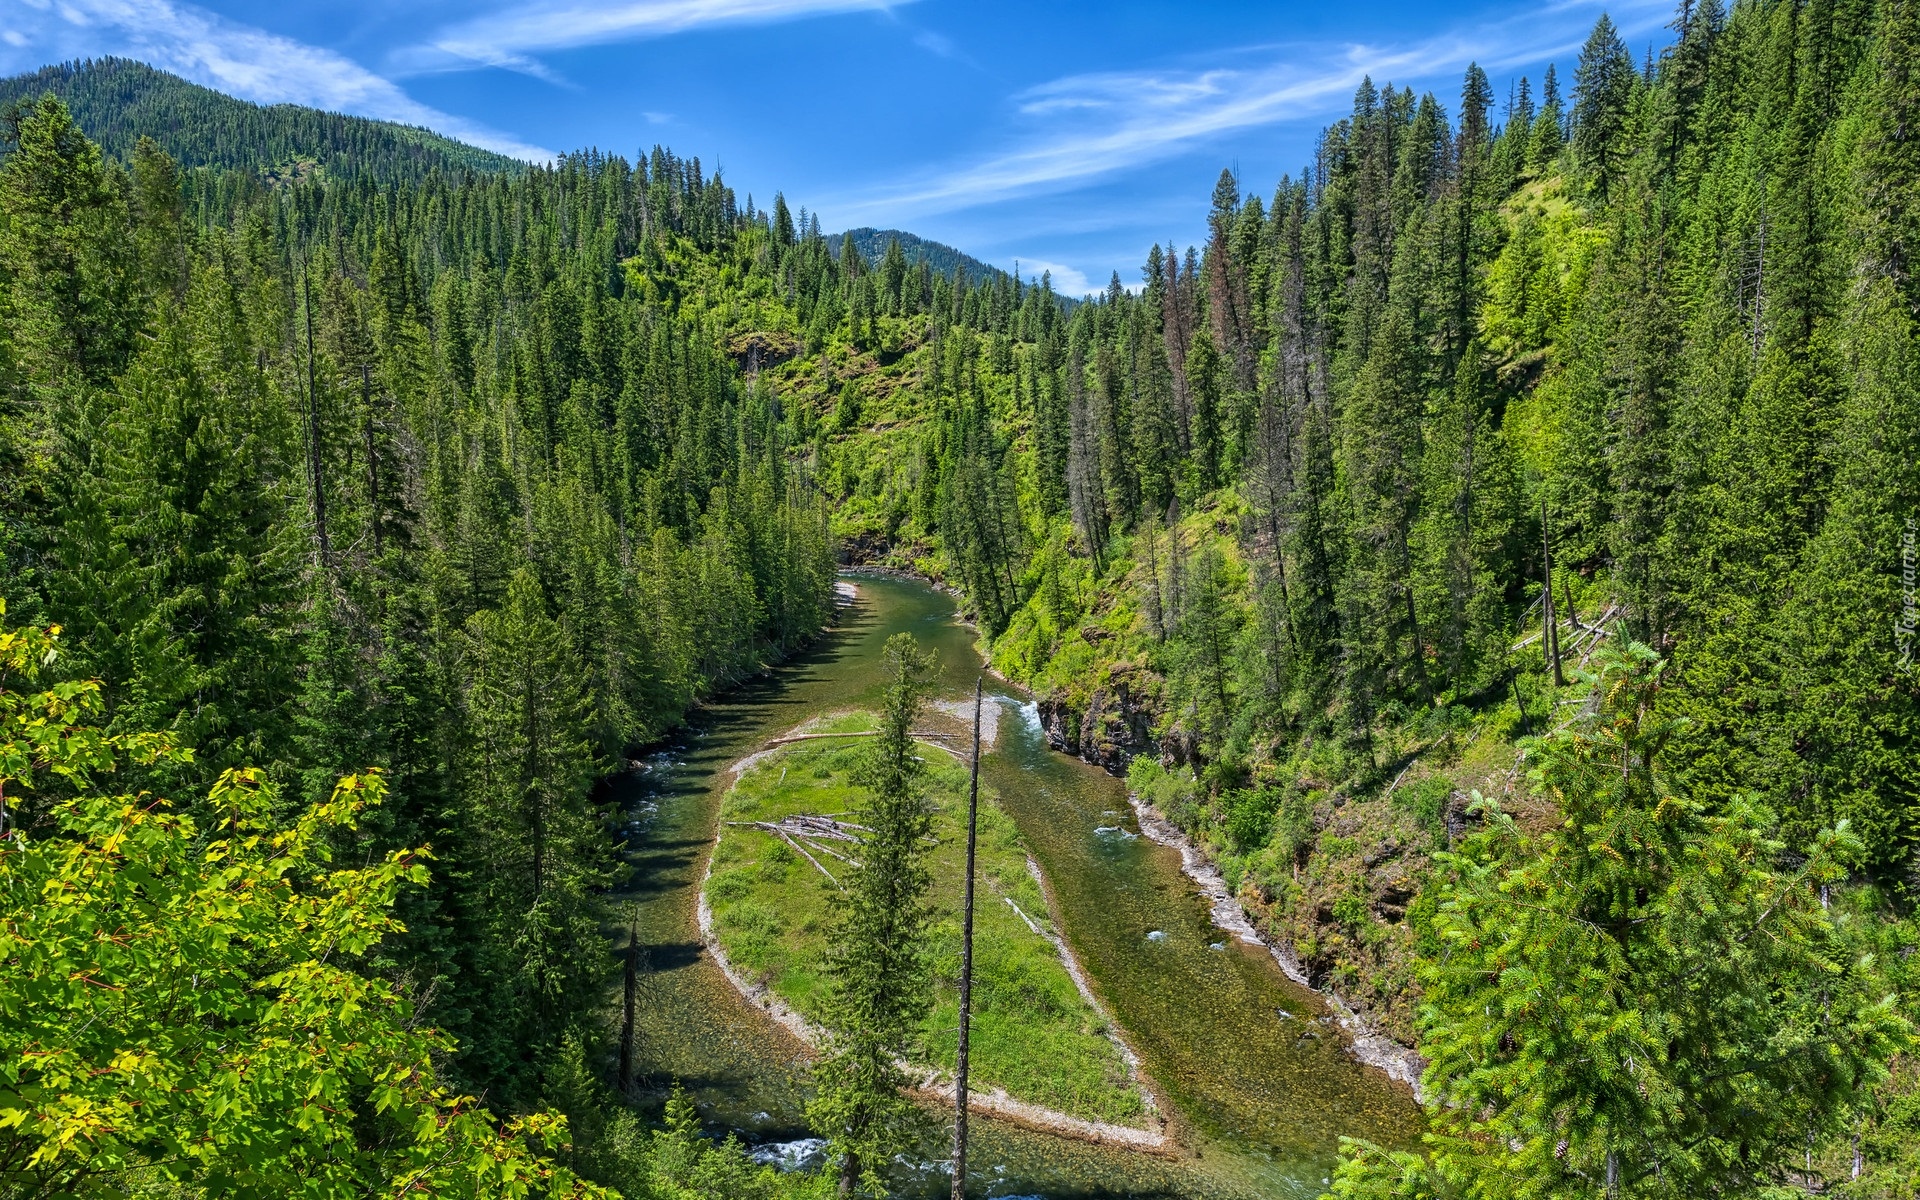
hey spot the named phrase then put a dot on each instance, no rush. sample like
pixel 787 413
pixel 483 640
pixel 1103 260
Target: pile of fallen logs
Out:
pixel 807 834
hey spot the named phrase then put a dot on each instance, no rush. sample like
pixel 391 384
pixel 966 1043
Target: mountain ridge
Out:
pixel 943 258
pixel 116 101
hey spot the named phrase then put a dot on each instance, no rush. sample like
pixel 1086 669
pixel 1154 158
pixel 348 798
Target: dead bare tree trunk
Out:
pixel 1157 609
pixel 1550 633
pixel 966 967
pixel 626 1021
pixel 373 454
pixel 316 479
pixel 1083 471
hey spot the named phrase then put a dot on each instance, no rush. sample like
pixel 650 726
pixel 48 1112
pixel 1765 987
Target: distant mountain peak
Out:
pixel 944 259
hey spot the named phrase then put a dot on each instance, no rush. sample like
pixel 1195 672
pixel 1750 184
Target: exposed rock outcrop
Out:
pixel 1109 731
pixel 865 548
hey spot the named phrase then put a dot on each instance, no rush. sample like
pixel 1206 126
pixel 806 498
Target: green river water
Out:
pixel 1258 1100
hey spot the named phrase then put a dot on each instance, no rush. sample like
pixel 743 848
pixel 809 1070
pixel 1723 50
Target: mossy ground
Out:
pixel 1033 1033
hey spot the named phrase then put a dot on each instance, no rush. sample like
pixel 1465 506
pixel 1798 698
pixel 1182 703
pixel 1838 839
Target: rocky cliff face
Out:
pixel 865 548
pixel 1109 730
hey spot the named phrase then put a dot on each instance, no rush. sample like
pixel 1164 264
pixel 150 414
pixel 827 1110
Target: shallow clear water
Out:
pixel 1259 1101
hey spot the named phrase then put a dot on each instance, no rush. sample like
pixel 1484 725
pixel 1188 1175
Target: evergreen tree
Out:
pixel 174 550
pixel 1543 146
pixel 158 217
pixel 1603 89
pixel 535 852
pixel 1207 632
pixel 71 277
pixel 1645 1000
pixel 1204 384
pixel 782 222
pixel 1084 495
pixel 878 965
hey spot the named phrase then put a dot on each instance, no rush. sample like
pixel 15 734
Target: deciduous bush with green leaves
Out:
pixel 178 999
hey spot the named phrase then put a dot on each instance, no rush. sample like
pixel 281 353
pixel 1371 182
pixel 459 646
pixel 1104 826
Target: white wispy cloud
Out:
pixel 1067 281
pixel 510 38
pixel 242 60
pixel 1082 127
pixel 935 43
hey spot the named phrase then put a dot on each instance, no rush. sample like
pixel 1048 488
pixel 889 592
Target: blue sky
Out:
pixel 1065 136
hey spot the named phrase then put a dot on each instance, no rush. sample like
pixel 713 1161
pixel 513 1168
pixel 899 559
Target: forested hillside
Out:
pixel 117 101
pixel 1281 517
pixel 343 474
pixel 1669 355
pixel 485 478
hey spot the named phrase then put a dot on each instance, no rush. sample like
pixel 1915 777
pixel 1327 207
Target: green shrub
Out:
pixel 1248 816
pixel 1351 910
pixel 1174 793
pixel 1293 823
pixel 1426 803
pixel 727 886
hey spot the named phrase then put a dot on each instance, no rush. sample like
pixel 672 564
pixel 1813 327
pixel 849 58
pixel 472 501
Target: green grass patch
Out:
pixel 1033 1034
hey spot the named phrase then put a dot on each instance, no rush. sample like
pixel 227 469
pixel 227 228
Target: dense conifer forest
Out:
pixel 340 474
pixel 1489 546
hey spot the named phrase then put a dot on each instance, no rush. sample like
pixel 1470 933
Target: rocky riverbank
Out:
pixel 1369 1045
pixel 1110 731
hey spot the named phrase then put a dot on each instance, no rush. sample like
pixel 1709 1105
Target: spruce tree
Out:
pixel 1603 87
pixel 528 830
pixel 175 551
pixel 68 257
pixel 1644 1000
pixel 877 950
pixel 1206 375
pixel 1543 146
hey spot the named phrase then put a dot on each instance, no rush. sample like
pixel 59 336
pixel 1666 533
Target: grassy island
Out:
pixel 771 892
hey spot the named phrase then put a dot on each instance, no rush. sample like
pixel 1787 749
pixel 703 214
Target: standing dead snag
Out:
pixel 966 965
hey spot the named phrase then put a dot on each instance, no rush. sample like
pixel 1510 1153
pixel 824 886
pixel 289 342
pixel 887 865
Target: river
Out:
pixel 1260 1090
